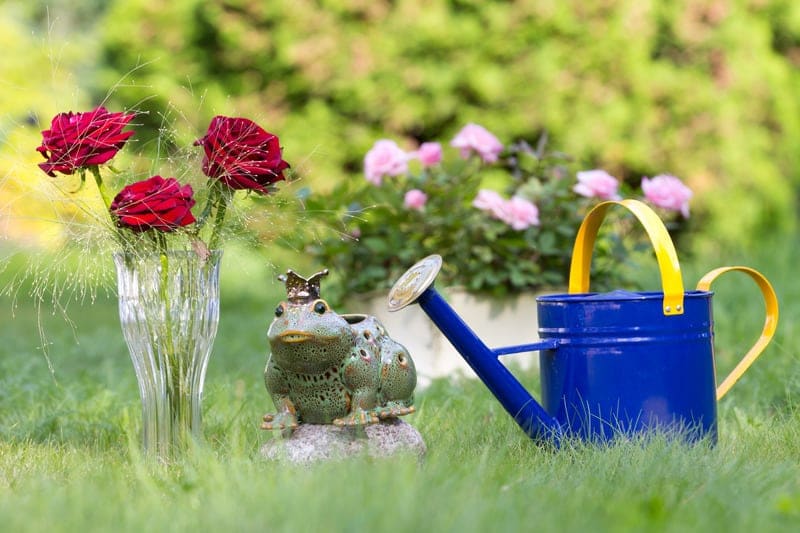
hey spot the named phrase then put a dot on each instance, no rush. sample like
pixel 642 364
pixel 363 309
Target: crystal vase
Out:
pixel 169 311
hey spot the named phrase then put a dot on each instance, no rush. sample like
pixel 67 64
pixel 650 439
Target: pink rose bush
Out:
pixel 505 234
pixel 502 215
pixel 387 159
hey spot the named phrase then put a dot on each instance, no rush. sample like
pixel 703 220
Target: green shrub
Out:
pixel 702 90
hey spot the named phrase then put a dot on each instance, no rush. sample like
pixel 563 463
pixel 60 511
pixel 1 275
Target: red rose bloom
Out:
pixel 155 203
pixel 241 154
pixel 79 140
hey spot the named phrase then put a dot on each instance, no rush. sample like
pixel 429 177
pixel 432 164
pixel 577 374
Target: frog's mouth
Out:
pixel 293 336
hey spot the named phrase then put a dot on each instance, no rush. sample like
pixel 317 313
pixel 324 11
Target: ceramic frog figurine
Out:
pixel 327 368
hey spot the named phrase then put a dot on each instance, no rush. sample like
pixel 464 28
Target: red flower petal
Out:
pixel 241 154
pixel 154 203
pixel 80 140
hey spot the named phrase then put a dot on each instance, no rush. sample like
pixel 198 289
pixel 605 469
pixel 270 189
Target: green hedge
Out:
pixel 703 89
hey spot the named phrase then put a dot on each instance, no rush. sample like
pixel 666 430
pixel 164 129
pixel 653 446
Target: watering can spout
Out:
pixel 416 286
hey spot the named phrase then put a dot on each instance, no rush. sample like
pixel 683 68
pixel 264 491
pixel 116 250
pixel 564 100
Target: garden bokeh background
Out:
pixel 707 90
pixel 702 89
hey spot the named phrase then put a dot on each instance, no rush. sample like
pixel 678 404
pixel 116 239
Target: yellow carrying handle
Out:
pixel 671 280
pixel 770 324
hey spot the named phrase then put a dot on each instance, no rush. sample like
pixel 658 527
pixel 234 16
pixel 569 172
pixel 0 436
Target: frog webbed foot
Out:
pixel 279 421
pixel 358 417
pixel 393 410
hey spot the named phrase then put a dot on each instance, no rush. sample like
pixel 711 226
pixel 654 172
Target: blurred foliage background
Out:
pixel 708 90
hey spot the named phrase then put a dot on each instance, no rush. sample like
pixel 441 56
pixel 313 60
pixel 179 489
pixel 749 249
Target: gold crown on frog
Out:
pixel 300 290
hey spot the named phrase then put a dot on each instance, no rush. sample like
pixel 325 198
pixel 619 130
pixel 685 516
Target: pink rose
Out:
pixel 491 202
pixel 384 159
pixel 415 199
pixel 667 192
pixel 521 214
pixel 477 139
pixel 597 184
pixel 518 212
pixel 429 154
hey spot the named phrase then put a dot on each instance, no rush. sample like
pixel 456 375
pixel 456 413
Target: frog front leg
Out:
pixel 278 386
pixel 362 412
pixel 360 377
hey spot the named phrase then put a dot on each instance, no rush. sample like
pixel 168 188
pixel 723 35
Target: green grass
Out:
pixel 69 442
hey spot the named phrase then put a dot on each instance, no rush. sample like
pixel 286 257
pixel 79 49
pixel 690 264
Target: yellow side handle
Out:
pixel 770 323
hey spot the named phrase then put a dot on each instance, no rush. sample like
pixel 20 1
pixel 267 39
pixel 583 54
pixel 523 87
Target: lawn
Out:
pixel 69 440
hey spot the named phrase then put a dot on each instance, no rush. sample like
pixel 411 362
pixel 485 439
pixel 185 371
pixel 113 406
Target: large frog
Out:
pixel 326 368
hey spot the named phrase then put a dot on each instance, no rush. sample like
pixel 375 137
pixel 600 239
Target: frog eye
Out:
pixel 279 310
pixel 320 307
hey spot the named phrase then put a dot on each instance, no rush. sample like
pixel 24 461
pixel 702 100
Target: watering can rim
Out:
pixel 616 296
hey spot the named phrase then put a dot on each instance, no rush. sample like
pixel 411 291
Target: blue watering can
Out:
pixel 610 364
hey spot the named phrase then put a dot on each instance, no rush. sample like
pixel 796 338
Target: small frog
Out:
pixel 326 368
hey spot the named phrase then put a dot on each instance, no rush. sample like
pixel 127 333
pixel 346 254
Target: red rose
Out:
pixel 79 140
pixel 241 154
pixel 155 203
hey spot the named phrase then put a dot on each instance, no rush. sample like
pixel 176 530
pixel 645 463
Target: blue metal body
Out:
pixel 609 364
pixel 621 365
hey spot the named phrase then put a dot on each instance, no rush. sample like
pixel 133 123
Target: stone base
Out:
pixel 320 442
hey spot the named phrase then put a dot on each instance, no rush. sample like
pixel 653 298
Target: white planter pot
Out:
pixel 498 322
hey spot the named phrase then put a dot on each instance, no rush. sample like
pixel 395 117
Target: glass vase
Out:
pixel 169 312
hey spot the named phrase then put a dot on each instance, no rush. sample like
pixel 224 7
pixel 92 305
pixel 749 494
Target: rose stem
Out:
pixel 101 186
pixel 219 217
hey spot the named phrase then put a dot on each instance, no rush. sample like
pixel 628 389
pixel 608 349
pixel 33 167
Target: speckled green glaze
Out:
pixel 326 368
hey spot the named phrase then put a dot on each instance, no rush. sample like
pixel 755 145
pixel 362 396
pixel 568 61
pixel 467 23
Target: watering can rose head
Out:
pixel 238 155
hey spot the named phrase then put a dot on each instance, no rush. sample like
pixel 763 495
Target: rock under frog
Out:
pixel 326 368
